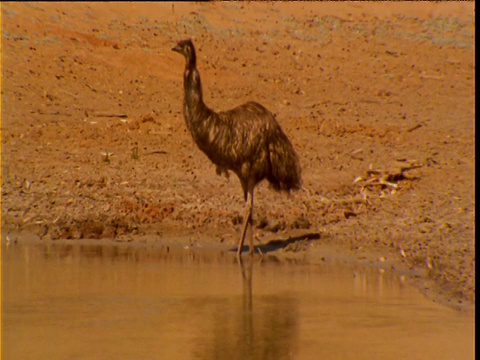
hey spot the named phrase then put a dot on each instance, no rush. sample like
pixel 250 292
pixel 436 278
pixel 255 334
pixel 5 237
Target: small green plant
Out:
pixel 106 156
pixel 135 153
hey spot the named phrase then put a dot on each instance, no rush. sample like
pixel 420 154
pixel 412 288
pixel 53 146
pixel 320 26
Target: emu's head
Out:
pixel 186 48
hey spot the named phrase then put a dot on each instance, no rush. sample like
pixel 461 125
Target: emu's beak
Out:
pixel 177 49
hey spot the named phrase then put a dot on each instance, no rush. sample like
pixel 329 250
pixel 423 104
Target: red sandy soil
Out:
pixel 377 99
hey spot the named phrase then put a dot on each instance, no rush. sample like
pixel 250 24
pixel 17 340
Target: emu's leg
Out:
pixel 248 216
pixel 250 221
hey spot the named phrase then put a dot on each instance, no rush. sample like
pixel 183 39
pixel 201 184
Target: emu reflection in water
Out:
pixel 247 274
pixel 266 327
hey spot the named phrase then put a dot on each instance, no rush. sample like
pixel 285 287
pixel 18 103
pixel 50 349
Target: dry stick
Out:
pixel 156 152
pixel 354 153
pixel 411 167
pixel 106 114
pixel 418 126
pixel 40 112
pixel 379 180
pixel 395 186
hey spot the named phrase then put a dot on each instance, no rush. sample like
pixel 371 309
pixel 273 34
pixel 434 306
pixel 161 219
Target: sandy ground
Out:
pixel 378 100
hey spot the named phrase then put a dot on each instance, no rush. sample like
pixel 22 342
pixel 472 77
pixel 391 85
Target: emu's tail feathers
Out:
pixel 285 171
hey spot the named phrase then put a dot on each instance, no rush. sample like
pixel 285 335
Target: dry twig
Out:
pixel 387 179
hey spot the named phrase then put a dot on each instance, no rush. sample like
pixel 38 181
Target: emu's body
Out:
pixel 246 140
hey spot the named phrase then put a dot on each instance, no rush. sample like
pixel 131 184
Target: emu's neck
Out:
pixel 195 109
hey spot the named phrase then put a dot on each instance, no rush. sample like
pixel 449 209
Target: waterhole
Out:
pixel 62 301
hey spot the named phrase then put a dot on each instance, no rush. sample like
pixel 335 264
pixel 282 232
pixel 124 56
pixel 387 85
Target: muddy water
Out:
pixel 107 302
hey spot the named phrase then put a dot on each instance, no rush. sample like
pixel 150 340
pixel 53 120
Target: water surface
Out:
pixel 133 302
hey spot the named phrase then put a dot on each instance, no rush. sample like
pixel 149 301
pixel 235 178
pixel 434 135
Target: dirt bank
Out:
pixel 377 100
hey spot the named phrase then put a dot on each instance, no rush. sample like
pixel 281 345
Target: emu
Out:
pixel 246 140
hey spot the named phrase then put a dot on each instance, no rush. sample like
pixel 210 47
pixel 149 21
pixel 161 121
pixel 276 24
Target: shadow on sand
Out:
pixel 277 244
